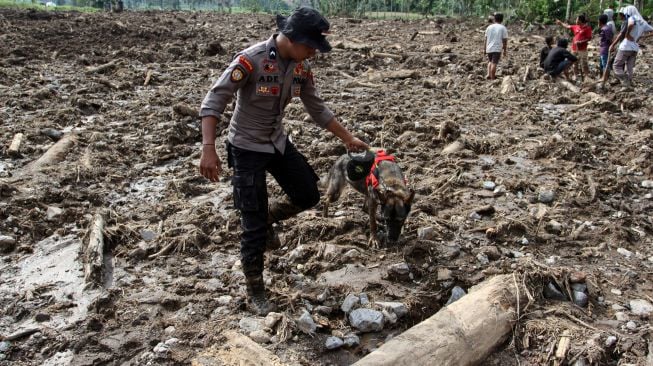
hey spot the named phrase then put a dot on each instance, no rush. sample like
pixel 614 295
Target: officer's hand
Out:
pixel 210 165
pixel 356 145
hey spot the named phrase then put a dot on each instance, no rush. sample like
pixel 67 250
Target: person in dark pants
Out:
pixel 559 60
pixel 264 78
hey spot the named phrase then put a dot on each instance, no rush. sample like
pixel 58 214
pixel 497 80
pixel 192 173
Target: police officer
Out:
pixel 265 77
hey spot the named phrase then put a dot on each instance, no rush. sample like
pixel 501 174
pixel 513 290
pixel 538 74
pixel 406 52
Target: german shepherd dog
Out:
pixel 391 193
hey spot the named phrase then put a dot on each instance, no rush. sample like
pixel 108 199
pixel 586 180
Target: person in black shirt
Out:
pixel 545 50
pixel 559 59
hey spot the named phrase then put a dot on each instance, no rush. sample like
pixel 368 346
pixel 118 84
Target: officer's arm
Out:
pixel 313 103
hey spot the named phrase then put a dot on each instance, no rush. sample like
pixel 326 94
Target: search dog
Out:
pixel 384 185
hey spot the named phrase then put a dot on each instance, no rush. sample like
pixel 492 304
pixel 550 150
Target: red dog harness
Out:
pixel 372 178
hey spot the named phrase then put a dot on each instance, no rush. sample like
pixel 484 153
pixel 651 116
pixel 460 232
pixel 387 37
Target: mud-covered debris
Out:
pixel 7 243
pixel 323 310
pixel 398 270
pixel 305 323
pixel 456 294
pixel 397 308
pixel 485 210
pixel 452 148
pixel 249 325
pixel 333 343
pixel 641 307
pixel 185 110
pixel 225 300
pixel 366 320
pixel 53 134
pixel 553 227
pixel 260 336
pixel 482 259
pixel 389 317
pixel 214 48
pixel 352 340
pixel 42 317
pixel 350 303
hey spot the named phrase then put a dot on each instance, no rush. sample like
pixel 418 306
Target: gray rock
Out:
pixel 647 183
pixel 224 300
pixel 305 323
pixel 399 269
pixel 53 212
pixel 580 298
pixel 625 252
pixel 324 310
pixel 553 227
pixel 641 307
pixel 272 319
pixel 621 316
pixel 250 324
pixel 169 330
pixel 610 341
pixel 581 362
pixel 397 308
pixel 489 185
pixel 580 287
pixel 631 326
pixel 364 299
pixel 148 235
pixel 482 258
pixel 161 348
pixel 552 292
pixel 260 336
pixel 171 342
pixel 366 320
pixel 55 135
pixel 456 293
pixel 7 243
pixel 42 317
pixel 352 340
pixel 351 301
pixel 546 196
pixel 4 346
pixel 334 342
pixel 389 316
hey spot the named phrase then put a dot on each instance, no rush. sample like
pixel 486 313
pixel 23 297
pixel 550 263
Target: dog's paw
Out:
pixel 373 242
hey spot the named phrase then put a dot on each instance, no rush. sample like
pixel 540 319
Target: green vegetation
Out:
pixel 41 6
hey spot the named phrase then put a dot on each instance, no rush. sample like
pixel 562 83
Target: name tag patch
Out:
pixel 270 67
pixel 268 79
pixel 267 90
pixel 296 90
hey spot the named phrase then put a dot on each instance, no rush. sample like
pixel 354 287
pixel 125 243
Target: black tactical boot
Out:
pixel 256 297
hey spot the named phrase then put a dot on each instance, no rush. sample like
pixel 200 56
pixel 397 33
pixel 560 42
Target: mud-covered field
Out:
pixel 518 175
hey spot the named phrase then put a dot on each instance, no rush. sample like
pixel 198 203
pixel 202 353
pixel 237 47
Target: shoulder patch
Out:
pixel 242 60
pixel 237 74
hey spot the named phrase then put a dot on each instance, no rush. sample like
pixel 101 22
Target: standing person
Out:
pixel 496 40
pixel 610 13
pixel 582 35
pixel 546 49
pixel 264 78
pixel 559 60
pixel 605 40
pixel 633 29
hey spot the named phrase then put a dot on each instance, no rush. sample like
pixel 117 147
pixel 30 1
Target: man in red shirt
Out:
pixel 582 35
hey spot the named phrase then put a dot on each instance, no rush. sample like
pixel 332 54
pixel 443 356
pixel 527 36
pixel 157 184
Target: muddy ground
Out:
pixel 541 181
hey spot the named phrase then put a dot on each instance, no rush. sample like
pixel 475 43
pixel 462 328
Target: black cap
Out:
pixel 307 26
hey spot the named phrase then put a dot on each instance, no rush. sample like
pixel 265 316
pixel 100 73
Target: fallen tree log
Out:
pixel 386 55
pixel 391 74
pixel 14 148
pixel 568 85
pixel 54 154
pixel 94 252
pixel 507 85
pixel 463 333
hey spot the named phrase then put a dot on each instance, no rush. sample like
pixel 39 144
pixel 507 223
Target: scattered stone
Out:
pixel 444 274
pixel 323 296
pixel 53 134
pixel 42 317
pixel 551 260
pixel 305 323
pixel 647 183
pixel 475 216
pixel 366 320
pixel 389 317
pixel 7 243
pixel 456 293
pixel 482 258
pixel 171 342
pixel 580 287
pixel 352 340
pixel 352 254
pixel 260 336
pixel 523 241
pixel 617 307
pixel 4 346
pixel 641 307
pixel 631 325
pixel 148 235
pixel 334 342
pixel 250 324
pixel 553 227
pixel 53 212
pixel 224 300
pixel 485 210
pixel 580 298
pixel 169 330
pixel 625 252
pixel 581 362
pixel 272 319
pixel 610 341
pixel 399 269
pixel 364 299
pixel 426 233
pixel 489 185
pixel 616 291
pixel 350 303
pixel 621 316
pixel 324 310
pixel 160 348
pixel 577 277
pixel 397 308
pixel 490 251
pixel 546 196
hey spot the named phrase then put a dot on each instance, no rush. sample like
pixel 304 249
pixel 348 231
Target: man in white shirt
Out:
pixel 496 41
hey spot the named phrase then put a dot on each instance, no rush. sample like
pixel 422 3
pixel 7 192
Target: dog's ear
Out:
pixel 410 197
